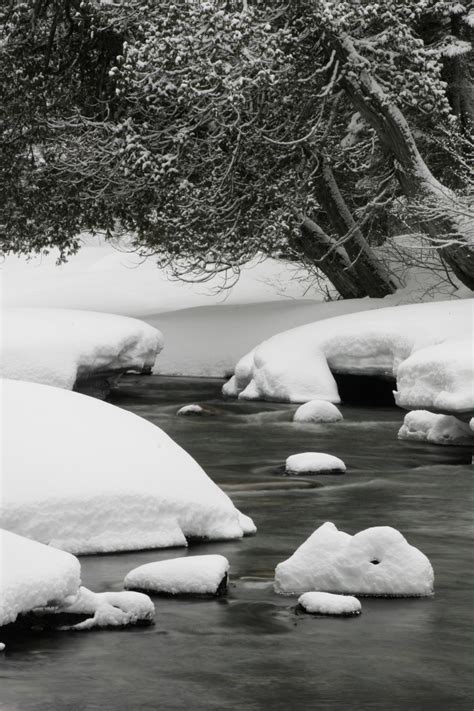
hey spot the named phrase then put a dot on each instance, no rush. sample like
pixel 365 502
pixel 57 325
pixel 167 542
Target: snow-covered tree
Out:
pixel 213 131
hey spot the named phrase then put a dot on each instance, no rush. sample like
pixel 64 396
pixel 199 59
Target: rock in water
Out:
pixel 317 411
pixel 322 603
pixel 191 575
pixel 314 463
pixel 378 561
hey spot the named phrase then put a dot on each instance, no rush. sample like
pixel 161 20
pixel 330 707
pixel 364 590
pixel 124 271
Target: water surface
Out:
pixel 251 651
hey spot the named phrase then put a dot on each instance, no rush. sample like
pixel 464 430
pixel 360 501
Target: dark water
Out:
pixel 251 651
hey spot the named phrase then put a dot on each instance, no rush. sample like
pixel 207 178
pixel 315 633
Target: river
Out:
pixel 251 651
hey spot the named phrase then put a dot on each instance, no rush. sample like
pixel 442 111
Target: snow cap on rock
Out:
pixel 378 561
pixel 322 603
pixel 190 575
pixel 317 411
pixel 314 463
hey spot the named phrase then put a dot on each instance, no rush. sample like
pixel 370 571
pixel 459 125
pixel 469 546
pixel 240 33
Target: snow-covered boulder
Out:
pixel 34 575
pixel 427 426
pixel 89 477
pixel 314 463
pixel 61 346
pixel 109 609
pixel 378 561
pixel 192 409
pixel 192 575
pixel 322 603
pixel 297 365
pixel 439 378
pixel 317 411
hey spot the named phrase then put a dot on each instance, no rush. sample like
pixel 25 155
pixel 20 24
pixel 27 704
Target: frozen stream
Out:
pixel 250 651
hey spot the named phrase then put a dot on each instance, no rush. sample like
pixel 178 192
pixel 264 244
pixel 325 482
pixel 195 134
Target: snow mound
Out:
pixel 33 575
pixel 314 463
pixel 317 411
pixel 439 378
pixel 378 561
pixel 193 575
pixel 321 603
pixel 110 609
pixel 427 426
pixel 297 365
pixel 190 410
pixel 96 478
pixel 57 346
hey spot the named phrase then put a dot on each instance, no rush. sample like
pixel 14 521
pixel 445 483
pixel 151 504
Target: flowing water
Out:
pixel 251 650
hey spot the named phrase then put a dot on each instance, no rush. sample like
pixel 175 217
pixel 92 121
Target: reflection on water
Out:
pixel 251 651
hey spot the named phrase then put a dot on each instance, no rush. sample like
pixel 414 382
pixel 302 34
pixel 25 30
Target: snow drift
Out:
pixel 89 477
pixel 297 365
pixel 34 575
pixel 57 346
pixel 378 561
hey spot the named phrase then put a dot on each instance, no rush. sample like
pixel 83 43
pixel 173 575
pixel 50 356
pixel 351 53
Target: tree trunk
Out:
pixel 368 267
pixel 416 179
pixel 322 251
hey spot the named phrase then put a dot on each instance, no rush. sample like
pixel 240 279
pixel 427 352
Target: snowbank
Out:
pixel 317 411
pixel 296 365
pixel 58 346
pixel 321 603
pixel 440 377
pixel 314 463
pixel 89 477
pixel 376 561
pixel 110 609
pixel 193 575
pixel 33 575
pixel 439 429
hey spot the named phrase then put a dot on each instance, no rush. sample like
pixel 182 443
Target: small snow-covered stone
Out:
pixel 322 603
pixel 110 609
pixel 422 425
pixel 317 411
pixel 191 575
pixel 2 647
pixel 193 409
pixel 378 561
pixel 314 463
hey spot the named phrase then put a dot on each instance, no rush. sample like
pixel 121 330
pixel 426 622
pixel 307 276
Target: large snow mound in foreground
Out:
pixel 424 426
pixel 376 561
pixel 33 575
pixel 55 346
pixel 296 365
pixel 192 575
pixel 89 477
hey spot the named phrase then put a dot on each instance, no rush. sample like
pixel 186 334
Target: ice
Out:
pixel 192 575
pixel 427 426
pixel 33 575
pixel 314 463
pixel 440 377
pixel 322 603
pixel 317 411
pixel 110 609
pixel 378 561
pixel 297 365
pixel 89 477
pixel 56 346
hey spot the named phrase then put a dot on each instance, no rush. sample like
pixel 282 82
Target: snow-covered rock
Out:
pixel 322 603
pixel 427 426
pixel 317 411
pixel 59 346
pixel 378 561
pixel 314 463
pixel 297 365
pixel 192 575
pixel 192 409
pixel 34 575
pixel 439 378
pixel 89 477
pixel 110 609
